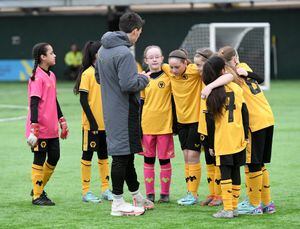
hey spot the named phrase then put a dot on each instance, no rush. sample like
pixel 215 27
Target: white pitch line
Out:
pixel 9 106
pixel 13 106
pixel 12 119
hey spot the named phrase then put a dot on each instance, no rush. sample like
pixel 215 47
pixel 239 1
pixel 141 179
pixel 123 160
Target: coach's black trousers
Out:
pixel 122 169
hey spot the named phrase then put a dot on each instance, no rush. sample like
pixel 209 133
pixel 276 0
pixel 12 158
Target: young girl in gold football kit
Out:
pixel 261 125
pixel 157 125
pixel 213 172
pixel 261 134
pixel 186 84
pixel 93 131
pixel 226 114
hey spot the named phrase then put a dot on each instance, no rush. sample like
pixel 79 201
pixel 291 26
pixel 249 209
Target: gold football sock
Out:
pixel 103 167
pixel 266 191
pixel 255 184
pixel 210 171
pixel 48 171
pixel 187 178
pixel 194 178
pixel 247 179
pixel 226 186
pixel 37 180
pixel 236 191
pixel 217 182
pixel 85 175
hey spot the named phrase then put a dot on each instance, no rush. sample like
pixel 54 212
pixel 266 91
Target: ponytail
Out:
pixel 89 56
pixel 212 69
pixel 38 50
pixel 34 69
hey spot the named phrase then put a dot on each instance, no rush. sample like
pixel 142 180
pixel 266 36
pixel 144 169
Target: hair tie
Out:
pixel 201 54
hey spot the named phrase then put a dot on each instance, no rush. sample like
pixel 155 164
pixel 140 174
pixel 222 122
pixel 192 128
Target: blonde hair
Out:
pixel 150 47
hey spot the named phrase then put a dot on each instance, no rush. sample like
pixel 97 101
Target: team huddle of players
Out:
pixel 214 104
pixel 231 121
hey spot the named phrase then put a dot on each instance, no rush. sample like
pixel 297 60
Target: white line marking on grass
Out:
pixel 12 119
pixel 13 92
pixel 9 106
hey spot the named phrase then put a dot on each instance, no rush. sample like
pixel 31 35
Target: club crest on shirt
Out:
pixel 161 84
pixel 185 77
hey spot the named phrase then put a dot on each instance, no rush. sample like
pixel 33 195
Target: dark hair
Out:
pixel 130 21
pixel 212 69
pixel 38 50
pixel 89 56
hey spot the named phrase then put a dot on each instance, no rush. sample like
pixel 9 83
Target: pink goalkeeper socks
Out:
pixel 149 177
pixel 165 178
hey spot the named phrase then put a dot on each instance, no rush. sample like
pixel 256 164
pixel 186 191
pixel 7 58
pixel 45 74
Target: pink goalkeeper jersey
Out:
pixel 44 87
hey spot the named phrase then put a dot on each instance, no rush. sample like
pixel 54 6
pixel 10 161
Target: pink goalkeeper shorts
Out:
pixel 162 144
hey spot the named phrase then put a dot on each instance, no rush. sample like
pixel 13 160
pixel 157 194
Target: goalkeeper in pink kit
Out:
pixel 43 121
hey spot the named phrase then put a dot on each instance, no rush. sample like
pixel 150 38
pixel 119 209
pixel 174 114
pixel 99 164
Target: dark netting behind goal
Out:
pixel 251 50
pixel 197 37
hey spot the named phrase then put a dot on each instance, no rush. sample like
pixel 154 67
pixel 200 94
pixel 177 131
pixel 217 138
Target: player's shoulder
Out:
pixel 40 74
pixel 234 87
pixel 89 72
pixel 192 69
pixel 52 74
pixel 245 66
pixel 166 68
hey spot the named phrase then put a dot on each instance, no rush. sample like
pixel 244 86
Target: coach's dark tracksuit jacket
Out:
pixel 120 88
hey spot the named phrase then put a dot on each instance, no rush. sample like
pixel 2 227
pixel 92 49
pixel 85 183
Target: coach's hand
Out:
pixel 34 134
pixel 147 74
pixel 64 128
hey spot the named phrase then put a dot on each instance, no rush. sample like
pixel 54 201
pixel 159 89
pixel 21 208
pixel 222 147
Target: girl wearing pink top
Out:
pixel 42 122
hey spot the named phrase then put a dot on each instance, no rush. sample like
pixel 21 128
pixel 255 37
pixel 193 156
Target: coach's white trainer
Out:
pixel 121 208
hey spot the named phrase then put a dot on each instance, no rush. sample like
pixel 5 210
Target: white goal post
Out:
pixel 251 40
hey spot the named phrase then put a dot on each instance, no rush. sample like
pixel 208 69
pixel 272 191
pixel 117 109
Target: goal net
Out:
pixel 251 40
